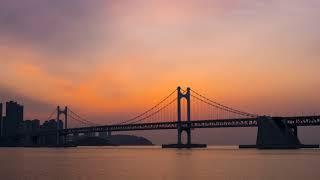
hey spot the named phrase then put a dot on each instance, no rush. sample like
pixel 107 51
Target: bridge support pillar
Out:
pixel 187 129
pixel 184 126
pixel 60 124
pixel 274 133
pixel 295 130
pixel 109 133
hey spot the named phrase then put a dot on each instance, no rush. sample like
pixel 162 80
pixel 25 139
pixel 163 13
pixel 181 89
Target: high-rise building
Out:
pixel 52 124
pixel 35 125
pixel 1 119
pixel 27 126
pixel 30 125
pixel 13 120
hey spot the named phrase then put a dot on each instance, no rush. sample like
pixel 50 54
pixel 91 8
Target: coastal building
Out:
pixel 31 125
pixel 1 119
pixel 52 124
pixel 35 124
pixel 13 120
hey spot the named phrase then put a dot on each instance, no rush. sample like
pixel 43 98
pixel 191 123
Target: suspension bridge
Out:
pixel 186 110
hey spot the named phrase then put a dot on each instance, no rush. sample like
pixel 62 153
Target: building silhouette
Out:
pixel 51 125
pixel 13 126
pixel 13 119
pixel 1 119
pixel 30 125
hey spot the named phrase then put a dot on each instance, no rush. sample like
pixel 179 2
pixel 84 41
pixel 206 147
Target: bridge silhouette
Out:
pixel 186 110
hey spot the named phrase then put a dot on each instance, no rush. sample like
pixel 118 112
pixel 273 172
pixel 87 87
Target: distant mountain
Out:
pixel 115 140
pixel 128 140
pixel 92 141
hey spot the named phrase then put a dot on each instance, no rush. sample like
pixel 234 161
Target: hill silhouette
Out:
pixel 115 140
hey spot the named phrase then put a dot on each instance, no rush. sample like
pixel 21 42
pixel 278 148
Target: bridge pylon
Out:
pixel 182 125
pixel 65 113
pixel 180 128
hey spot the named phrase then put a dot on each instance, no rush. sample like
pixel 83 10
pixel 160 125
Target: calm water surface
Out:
pixel 130 163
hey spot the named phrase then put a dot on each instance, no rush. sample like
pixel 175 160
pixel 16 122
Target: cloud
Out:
pixel 56 27
pixel 110 59
pixel 103 54
pixel 31 105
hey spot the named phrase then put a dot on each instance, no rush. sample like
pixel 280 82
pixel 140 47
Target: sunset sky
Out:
pixel 110 59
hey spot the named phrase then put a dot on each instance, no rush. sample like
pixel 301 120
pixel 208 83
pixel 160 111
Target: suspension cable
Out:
pixel 78 120
pixel 221 108
pixel 144 113
pixel 80 117
pixel 155 111
pixel 225 107
pixel 50 116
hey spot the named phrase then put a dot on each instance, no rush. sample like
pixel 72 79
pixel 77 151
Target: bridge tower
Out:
pixel 181 128
pixel 65 113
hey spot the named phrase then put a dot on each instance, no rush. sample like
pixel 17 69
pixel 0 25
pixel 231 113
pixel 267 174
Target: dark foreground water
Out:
pixel 130 163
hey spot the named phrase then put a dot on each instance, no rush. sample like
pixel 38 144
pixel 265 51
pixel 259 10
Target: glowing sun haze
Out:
pixel 107 58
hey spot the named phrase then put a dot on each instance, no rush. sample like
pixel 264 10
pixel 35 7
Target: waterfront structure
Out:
pixel 1 119
pixel 15 131
pixel 30 125
pixel 273 132
pixel 172 113
pixel 13 119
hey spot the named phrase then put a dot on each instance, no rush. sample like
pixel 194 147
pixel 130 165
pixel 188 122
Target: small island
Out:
pixel 114 140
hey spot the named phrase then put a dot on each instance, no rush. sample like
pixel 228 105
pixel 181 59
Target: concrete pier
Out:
pixel 275 133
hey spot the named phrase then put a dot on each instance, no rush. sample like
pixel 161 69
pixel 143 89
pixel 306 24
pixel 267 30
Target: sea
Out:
pixel 155 163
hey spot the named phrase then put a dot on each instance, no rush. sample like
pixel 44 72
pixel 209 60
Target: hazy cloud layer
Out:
pixel 115 58
pixel 43 109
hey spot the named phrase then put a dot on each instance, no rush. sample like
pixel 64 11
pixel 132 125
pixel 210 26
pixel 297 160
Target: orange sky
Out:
pixel 105 58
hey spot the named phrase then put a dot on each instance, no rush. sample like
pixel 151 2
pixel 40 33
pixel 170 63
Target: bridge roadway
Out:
pixel 226 123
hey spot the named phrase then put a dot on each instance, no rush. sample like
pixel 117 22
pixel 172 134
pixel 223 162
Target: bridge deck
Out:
pixel 227 123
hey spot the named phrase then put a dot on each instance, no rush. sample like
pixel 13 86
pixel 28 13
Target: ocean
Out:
pixel 154 163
